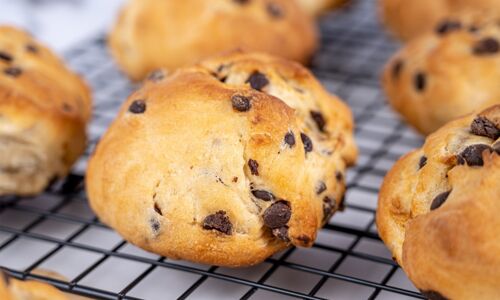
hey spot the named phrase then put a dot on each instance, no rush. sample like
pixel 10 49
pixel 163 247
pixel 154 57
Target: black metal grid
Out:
pixel 348 261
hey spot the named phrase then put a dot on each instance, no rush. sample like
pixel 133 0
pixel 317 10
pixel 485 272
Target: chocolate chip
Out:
pixel 320 187
pixel 156 75
pixel 328 207
pixel 137 107
pixel 235 179
pixel 155 225
pixel 486 46
pixel 473 28
pixel 257 80
pixel 281 233
pixel 277 215
pixel 5 56
pixel 432 295
pixel 290 139
pixel 448 26
pixel 473 155
pixel 158 209
pixel 397 67
pixel 241 103
pixel 420 81
pixel 483 127
pixel 496 147
pixel 254 167
pixel 304 239
pixel 32 48
pixel 218 221
pixel 241 1
pixel 308 145
pixel 263 195
pixel 318 119
pixel 439 200
pixel 339 176
pixel 13 71
pixel 422 162
pixel 274 10
pixel 66 107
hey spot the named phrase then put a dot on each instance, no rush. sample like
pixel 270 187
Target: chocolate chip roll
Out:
pixel 151 34
pixel 224 163
pixel 445 74
pixel 318 7
pixel 409 19
pixel 44 108
pixel 438 210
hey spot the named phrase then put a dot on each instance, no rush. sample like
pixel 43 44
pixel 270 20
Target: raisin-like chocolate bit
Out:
pixel 155 225
pixel 158 209
pixel 32 48
pixel 241 103
pixel 320 187
pixel 263 195
pixel 308 145
pixel 318 119
pixel 473 155
pixel 339 176
pixel 274 10
pixel 483 127
pixel 496 147
pixel 257 80
pixel 13 71
pixel 281 233
pixel 5 56
pixel 254 167
pixel 439 200
pixel 486 46
pixel 156 75
pixel 422 162
pixel 432 295
pixel 328 207
pixel 218 221
pixel 277 215
pixel 420 81
pixel 290 139
pixel 397 67
pixel 137 107
pixel 448 26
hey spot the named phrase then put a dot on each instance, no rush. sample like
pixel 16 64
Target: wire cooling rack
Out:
pixel 57 230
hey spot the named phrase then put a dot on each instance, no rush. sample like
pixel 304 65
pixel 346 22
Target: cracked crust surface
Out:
pixel 151 34
pixel 409 19
pixel 43 111
pixel 441 76
pixel 438 210
pixel 201 174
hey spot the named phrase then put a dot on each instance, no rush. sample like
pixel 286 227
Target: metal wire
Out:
pixel 353 51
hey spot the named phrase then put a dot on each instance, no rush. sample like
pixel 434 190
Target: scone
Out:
pixel 438 210
pixel 224 163
pixel 13 289
pixel 407 19
pixel 443 75
pixel 318 7
pixel 152 34
pixel 43 111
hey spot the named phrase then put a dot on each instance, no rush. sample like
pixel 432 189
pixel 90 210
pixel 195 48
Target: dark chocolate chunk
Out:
pixel 5 56
pixel 155 225
pixel 277 215
pixel 448 26
pixel 241 103
pixel 339 176
pixel 263 195
pixel 290 139
pixel 308 145
pixel 439 200
pixel 420 81
pixel 432 295
pixel 254 167
pixel 257 80
pixel 218 221
pixel 235 179
pixel 13 71
pixel 318 119
pixel 397 67
pixel 320 187
pixel 137 107
pixel 483 127
pixel 486 46
pixel 156 75
pixel 328 207
pixel 422 162
pixel 473 155
pixel 158 209
pixel 274 10
pixel 31 48
pixel 281 233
